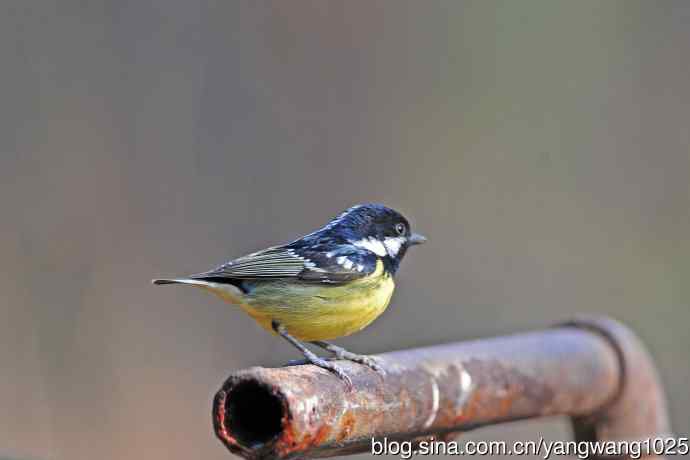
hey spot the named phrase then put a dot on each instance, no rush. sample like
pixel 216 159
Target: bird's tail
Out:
pixel 227 292
pixel 180 281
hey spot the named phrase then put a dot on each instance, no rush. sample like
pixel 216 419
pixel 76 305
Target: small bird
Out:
pixel 328 284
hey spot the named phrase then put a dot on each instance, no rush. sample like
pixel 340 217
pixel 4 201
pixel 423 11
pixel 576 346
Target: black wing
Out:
pixel 345 263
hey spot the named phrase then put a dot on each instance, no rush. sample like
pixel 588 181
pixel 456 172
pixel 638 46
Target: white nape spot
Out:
pixel 341 260
pixel 393 245
pixel 348 264
pixel 360 267
pixel 373 245
pixel 330 254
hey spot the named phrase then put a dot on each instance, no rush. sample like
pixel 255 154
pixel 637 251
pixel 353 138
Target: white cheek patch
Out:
pixel 393 245
pixel 373 245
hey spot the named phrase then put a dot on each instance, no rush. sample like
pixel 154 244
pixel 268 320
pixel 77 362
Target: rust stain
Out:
pixel 347 426
pixel 221 422
pixel 289 442
pixel 321 434
pixel 498 390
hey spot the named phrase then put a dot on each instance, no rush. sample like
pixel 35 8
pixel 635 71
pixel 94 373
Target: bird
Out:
pixel 328 284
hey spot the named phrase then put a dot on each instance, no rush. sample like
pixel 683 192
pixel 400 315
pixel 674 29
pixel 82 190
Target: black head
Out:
pixel 377 228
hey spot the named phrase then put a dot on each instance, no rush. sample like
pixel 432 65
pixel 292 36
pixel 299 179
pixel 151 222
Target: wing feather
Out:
pixel 290 262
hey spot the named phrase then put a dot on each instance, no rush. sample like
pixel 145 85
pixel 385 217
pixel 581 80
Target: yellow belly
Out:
pixel 312 311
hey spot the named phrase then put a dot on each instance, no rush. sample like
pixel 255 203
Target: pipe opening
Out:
pixel 254 414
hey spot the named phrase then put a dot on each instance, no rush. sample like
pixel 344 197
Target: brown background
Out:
pixel 542 146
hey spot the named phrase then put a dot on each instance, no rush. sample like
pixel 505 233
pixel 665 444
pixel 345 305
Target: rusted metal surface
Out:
pixel 638 411
pixel 594 371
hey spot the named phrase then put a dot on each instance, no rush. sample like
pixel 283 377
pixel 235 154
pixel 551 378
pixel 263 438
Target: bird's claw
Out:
pixel 334 368
pixel 368 361
pixel 327 364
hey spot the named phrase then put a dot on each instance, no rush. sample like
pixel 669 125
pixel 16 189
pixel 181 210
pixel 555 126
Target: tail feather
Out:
pixel 162 281
pixel 225 291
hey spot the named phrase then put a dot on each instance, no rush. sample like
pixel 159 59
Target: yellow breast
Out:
pixel 321 312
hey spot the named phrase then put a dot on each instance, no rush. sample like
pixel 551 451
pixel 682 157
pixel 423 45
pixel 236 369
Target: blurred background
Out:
pixel 544 148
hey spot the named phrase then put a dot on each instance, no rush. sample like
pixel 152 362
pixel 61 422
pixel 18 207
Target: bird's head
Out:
pixel 378 229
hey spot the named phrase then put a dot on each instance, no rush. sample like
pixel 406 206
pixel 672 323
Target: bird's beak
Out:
pixel 416 238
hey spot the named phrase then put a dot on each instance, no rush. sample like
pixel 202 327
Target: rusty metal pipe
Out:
pixel 639 410
pixel 307 412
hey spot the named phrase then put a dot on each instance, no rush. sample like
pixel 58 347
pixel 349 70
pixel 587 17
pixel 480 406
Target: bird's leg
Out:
pixel 309 355
pixel 341 353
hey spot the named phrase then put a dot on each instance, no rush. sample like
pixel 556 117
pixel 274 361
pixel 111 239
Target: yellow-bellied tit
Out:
pixel 328 284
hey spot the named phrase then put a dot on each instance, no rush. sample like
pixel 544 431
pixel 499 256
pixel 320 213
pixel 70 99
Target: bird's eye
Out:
pixel 400 228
